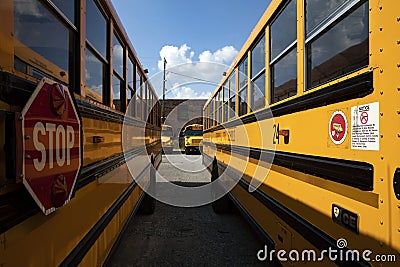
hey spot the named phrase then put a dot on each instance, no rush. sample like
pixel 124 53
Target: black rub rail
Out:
pixel 352 173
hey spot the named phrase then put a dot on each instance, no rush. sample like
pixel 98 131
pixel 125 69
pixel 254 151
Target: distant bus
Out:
pixel 328 72
pixel 167 138
pixel 193 135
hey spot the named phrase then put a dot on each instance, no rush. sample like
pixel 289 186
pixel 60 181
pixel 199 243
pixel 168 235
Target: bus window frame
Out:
pixel 337 16
pixel 284 52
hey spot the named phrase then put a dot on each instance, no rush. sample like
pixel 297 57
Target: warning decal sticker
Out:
pixel 365 127
pixel 338 127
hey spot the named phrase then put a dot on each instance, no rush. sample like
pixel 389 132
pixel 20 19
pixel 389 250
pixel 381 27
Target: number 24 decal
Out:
pixel 275 138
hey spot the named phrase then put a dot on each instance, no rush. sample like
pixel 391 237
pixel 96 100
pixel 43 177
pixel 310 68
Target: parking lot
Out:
pixel 175 236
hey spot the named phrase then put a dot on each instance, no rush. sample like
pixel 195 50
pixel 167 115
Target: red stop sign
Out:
pixel 51 145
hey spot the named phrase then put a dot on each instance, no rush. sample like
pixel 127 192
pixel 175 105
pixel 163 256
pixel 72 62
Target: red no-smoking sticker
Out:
pixel 338 127
pixel 364 117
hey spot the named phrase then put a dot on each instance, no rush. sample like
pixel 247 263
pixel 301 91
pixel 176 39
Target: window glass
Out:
pixel 243 73
pixel 232 82
pixel 67 7
pixel 225 92
pixel 35 28
pixel 232 103
pixel 131 103
pixel 138 106
pixel 94 76
pixel 226 101
pixel 341 49
pixel 258 93
pixel 144 102
pixel 284 73
pixel 243 102
pixel 138 83
pixel 96 28
pixel 258 57
pixel 283 29
pixel 131 72
pixel 118 56
pixel 318 10
pixel 116 90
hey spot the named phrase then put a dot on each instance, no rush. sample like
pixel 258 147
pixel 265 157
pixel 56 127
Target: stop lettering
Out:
pixel 59 138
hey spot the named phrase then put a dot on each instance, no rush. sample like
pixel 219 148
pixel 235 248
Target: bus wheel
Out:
pixel 223 204
pixel 187 152
pixel 149 203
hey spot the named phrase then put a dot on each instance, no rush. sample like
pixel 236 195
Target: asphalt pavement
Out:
pixel 177 236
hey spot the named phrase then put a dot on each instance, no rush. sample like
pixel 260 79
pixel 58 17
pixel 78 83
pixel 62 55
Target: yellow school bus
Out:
pixel 321 135
pixel 193 136
pixel 67 73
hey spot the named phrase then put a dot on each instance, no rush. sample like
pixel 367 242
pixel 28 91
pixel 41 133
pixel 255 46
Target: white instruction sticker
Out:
pixel 365 127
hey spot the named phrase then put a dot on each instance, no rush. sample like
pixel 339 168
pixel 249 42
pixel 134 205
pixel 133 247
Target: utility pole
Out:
pixel 163 92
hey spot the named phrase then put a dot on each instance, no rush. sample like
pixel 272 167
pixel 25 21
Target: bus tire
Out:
pixel 223 204
pixel 187 152
pixel 148 204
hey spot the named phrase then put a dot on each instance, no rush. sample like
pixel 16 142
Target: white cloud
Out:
pixel 184 92
pixel 175 56
pixel 183 71
pixel 224 55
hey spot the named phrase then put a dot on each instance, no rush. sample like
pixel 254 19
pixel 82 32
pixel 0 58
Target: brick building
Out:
pixel 182 112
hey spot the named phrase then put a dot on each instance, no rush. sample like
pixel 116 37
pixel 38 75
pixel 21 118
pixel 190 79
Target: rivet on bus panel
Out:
pixel 381 92
pixel 381 29
pixel 381 135
pixel 381 114
pixel 381 50
pixel 381 222
pixel 381 179
pixel 381 201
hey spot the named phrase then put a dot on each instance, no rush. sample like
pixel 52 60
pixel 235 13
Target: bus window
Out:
pixel 257 87
pixel 96 28
pixel 33 24
pixel 118 57
pixel 94 77
pixel 116 85
pixel 232 96
pixel 284 54
pixel 284 73
pixel 131 85
pixel 68 8
pixel 341 49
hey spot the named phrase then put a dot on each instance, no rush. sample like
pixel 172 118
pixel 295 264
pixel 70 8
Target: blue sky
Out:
pixel 187 32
